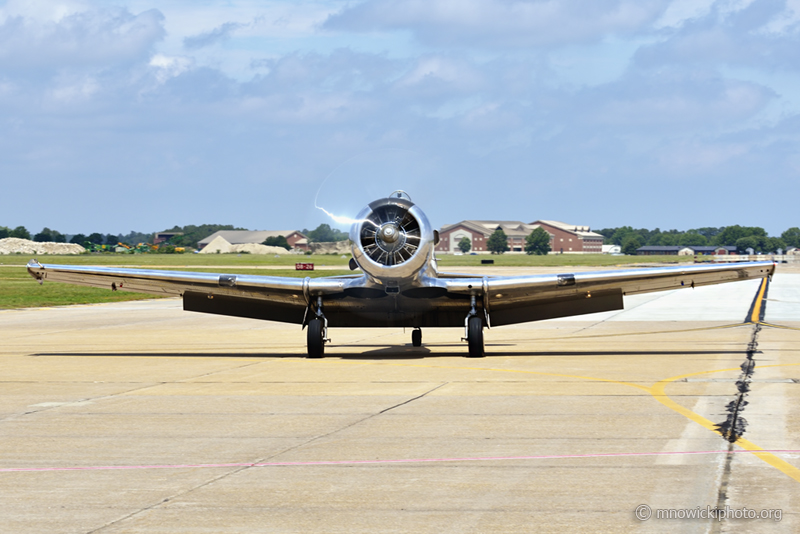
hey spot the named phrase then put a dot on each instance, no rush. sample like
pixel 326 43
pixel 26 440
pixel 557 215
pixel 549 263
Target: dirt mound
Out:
pixel 221 245
pixel 333 247
pixel 15 245
pixel 254 248
pixel 218 245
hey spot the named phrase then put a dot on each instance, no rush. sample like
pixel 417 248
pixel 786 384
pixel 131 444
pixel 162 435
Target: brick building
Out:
pixel 564 238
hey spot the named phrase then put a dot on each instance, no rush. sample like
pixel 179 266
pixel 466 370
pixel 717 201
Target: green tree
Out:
pixel 325 234
pixel 498 242
pixel 669 240
pixel 44 236
pixel 620 234
pixel 692 239
pixel 708 232
pixel 730 234
pixel 791 237
pixel 537 242
pixel 743 243
pixel 775 243
pixel 95 238
pixel 78 239
pixel 465 244
pixel 3 232
pixel 631 243
pixel 21 232
pixel 277 241
pixel 48 235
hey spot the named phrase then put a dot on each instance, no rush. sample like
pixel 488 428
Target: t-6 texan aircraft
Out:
pixel 392 244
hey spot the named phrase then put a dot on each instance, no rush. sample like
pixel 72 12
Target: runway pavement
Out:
pixel 139 417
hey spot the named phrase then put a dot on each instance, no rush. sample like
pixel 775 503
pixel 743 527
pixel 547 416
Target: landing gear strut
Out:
pixel 474 332
pixel 317 333
pixel 416 337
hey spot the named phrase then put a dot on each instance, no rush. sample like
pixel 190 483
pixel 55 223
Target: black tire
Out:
pixel 316 346
pixel 416 337
pixel 475 337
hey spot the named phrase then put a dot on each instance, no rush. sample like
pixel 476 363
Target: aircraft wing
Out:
pixel 240 295
pixel 441 301
pixel 517 299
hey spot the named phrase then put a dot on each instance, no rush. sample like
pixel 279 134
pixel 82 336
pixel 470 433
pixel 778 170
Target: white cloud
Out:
pixel 95 38
pixel 514 23
pixel 530 95
pixel 169 67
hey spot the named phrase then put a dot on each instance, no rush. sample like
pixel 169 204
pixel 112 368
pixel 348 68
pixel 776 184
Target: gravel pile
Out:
pixel 14 245
pixel 333 247
pixel 221 246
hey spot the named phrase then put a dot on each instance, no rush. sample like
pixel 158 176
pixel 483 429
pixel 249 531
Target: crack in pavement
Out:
pixel 735 424
pixel 258 461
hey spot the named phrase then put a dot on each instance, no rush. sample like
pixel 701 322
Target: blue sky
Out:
pixel 139 115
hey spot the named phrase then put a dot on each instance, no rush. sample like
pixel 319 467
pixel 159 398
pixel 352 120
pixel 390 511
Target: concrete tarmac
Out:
pixel 140 417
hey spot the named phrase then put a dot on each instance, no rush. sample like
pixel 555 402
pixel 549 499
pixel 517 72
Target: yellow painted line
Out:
pixel 657 391
pixel 778 326
pixel 756 315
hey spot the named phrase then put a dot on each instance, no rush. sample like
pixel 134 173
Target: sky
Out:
pixel 141 115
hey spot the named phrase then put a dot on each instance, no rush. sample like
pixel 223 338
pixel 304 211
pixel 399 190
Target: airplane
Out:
pixel 400 285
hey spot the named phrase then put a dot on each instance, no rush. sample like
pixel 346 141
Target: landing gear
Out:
pixel 316 339
pixel 475 337
pixel 317 333
pixel 474 331
pixel 416 337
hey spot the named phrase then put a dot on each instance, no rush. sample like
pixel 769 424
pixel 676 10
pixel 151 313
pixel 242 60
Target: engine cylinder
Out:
pixel 392 239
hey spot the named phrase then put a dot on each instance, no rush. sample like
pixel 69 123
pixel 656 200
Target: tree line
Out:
pixel 630 239
pixel 188 236
pixel 741 237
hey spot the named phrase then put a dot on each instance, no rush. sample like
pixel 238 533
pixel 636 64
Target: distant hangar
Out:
pixel 564 238
pixel 296 239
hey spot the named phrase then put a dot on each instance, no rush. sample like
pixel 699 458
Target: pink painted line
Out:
pixel 397 461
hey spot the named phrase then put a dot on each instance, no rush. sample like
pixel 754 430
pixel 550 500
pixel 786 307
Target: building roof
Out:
pixel 581 231
pixel 487 228
pixel 241 237
pixel 675 248
pixel 712 249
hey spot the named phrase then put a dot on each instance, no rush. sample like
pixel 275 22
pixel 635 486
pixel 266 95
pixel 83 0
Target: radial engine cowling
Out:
pixel 392 239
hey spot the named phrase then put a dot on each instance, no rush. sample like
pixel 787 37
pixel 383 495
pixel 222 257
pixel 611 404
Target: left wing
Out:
pixel 286 299
pixel 517 299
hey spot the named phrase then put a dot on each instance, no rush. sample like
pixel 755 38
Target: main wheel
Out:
pixel 316 345
pixel 475 337
pixel 416 337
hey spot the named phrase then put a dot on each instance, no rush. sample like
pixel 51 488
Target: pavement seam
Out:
pixel 253 464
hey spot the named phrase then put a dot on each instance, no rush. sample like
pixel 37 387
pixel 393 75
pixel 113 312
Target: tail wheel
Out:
pixel 475 337
pixel 316 343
